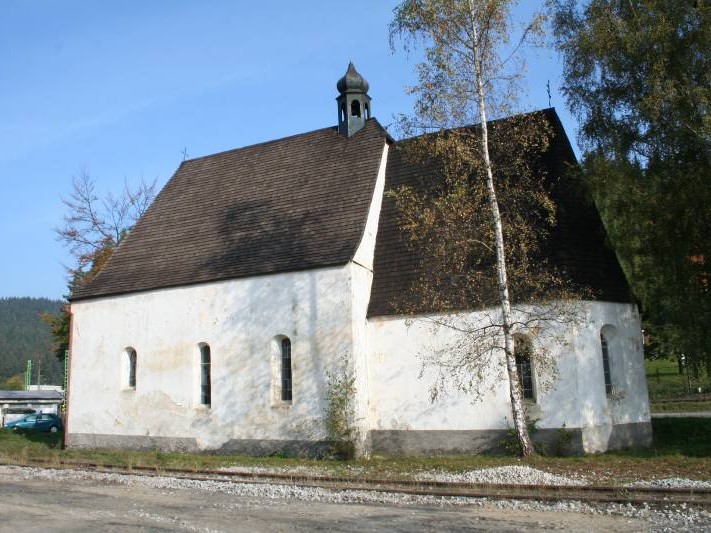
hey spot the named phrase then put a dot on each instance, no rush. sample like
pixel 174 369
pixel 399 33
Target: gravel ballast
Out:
pixel 505 475
pixel 502 475
pixel 671 518
pixel 672 483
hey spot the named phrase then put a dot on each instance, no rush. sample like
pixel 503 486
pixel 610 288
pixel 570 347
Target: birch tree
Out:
pixel 490 215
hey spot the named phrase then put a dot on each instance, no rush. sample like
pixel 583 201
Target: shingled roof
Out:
pixel 302 202
pixel 292 204
pixel 577 245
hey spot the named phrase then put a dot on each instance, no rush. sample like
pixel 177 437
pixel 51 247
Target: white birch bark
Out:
pixel 519 415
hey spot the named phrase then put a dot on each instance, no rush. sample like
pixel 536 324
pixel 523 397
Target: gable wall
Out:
pixel 403 419
pixel 362 275
pixel 239 320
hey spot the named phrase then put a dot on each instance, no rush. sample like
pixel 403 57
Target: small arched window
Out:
pixel 355 108
pixel 286 369
pixel 343 112
pixel 129 365
pixel 606 335
pixel 205 376
pixel 522 353
pixel 367 110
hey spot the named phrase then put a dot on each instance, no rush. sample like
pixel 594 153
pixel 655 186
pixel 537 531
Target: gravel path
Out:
pixel 672 518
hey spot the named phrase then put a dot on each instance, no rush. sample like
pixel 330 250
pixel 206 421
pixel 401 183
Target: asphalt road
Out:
pixel 90 505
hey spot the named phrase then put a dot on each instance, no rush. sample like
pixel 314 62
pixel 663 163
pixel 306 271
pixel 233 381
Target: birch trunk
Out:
pixel 518 412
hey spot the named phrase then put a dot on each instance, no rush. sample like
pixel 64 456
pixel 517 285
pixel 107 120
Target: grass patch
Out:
pixel 23 447
pixel 680 407
pixel 665 382
pixel 690 437
pixel 682 448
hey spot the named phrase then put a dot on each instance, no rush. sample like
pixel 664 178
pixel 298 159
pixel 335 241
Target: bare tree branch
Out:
pixel 92 225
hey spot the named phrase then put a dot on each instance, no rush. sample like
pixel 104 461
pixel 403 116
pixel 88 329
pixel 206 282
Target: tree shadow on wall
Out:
pixel 257 240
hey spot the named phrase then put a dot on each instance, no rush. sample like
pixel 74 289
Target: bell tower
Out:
pixel 353 102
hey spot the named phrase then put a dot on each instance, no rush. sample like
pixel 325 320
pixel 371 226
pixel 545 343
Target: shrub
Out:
pixel 340 412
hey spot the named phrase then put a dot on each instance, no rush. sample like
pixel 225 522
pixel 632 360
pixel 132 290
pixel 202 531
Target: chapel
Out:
pixel 259 272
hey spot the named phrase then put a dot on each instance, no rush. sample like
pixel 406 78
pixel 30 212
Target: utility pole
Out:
pixel 63 407
pixel 28 374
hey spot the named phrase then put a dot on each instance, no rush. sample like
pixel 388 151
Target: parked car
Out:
pixel 36 422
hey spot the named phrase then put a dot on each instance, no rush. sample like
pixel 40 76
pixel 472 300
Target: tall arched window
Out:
pixel 205 376
pixel 129 368
pixel 522 353
pixel 606 332
pixel 286 369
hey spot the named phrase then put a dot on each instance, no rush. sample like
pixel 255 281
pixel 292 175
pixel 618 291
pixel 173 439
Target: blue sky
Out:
pixel 119 89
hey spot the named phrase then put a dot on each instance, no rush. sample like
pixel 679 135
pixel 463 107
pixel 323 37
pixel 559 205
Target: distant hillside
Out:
pixel 24 336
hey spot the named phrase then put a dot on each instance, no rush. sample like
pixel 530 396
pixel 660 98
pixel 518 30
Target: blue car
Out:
pixel 36 422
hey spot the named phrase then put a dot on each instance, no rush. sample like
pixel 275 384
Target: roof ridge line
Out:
pixel 280 139
pixel 262 143
pixel 545 111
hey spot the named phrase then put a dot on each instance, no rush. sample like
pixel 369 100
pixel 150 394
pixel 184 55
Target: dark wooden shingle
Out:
pixel 291 204
pixel 577 245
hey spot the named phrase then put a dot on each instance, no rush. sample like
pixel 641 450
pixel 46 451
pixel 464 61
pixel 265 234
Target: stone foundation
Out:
pixel 252 447
pixel 563 441
pixel 493 441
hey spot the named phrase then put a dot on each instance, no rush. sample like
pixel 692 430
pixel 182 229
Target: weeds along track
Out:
pixel 653 496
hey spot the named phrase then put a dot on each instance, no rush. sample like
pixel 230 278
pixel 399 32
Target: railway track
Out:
pixel 548 493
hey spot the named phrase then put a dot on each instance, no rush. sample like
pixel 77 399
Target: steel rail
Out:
pixel 549 493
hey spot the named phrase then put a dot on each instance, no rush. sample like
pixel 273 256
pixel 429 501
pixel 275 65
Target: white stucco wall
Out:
pixel 239 319
pixel 366 249
pixel 322 311
pixel 361 271
pixel 399 396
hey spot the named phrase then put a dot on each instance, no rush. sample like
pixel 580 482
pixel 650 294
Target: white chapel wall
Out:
pixel 366 249
pixel 239 320
pixel 400 399
pixel 361 270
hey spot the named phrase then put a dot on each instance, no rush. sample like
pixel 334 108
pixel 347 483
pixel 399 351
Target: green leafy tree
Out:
pixel 483 220
pixel 638 77
pixel 16 382
pixel 93 228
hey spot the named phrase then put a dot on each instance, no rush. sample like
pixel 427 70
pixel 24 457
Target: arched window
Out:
pixel 343 112
pixel 367 110
pixel 205 376
pixel 129 368
pixel 522 353
pixel 355 108
pixel 606 335
pixel 285 369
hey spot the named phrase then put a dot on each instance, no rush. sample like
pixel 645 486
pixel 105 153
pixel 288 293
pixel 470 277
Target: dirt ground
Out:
pixel 89 505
